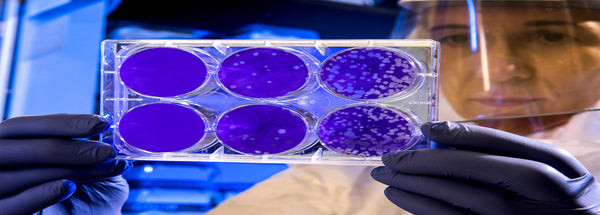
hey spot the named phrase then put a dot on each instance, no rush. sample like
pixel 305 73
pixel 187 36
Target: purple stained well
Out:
pixel 263 72
pixel 261 129
pixel 365 131
pixel 162 127
pixel 368 73
pixel 163 72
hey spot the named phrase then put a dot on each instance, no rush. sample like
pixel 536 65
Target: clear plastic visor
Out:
pixel 519 66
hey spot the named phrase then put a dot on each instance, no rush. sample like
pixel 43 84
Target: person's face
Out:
pixel 527 61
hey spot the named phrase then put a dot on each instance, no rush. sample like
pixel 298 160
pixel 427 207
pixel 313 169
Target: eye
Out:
pixel 455 40
pixel 553 38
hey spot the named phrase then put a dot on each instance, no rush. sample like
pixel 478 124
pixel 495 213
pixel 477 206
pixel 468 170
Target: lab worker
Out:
pixel 523 76
pixel 520 75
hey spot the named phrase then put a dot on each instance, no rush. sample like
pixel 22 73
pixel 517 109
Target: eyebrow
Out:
pixel 535 23
pixel 452 26
pixel 548 23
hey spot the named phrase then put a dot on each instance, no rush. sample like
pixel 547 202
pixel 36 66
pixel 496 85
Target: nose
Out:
pixel 507 63
pixel 509 69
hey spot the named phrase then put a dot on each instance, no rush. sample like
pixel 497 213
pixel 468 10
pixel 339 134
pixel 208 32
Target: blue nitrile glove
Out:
pixel 487 171
pixel 45 160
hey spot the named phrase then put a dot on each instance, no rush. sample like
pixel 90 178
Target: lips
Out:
pixel 504 101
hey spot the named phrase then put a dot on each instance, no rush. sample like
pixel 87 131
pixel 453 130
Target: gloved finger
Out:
pixel 467 195
pixel 37 198
pixel 28 152
pixel 494 141
pixel 16 180
pixel 53 126
pixel 101 197
pixel 418 205
pixel 523 177
pixel 109 195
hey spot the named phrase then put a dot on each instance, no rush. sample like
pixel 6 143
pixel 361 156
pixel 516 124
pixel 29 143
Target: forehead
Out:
pixel 458 14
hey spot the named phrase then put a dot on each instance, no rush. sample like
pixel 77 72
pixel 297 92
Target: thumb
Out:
pixel 37 198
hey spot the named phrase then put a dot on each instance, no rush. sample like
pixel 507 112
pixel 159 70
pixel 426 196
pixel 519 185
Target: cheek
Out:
pixel 591 66
pixel 572 80
pixel 458 82
pixel 458 77
pixel 583 89
pixel 572 76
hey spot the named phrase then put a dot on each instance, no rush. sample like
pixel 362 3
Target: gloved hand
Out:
pixel 43 158
pixel 487 171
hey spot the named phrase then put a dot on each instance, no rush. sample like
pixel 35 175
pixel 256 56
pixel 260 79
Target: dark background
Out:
pixel 225 17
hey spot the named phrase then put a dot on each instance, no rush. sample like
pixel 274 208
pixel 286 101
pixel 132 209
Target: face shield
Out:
pixel 520 66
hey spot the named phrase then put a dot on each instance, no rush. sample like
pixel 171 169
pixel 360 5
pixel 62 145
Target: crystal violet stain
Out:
pixel 368 73
pixel 263 72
